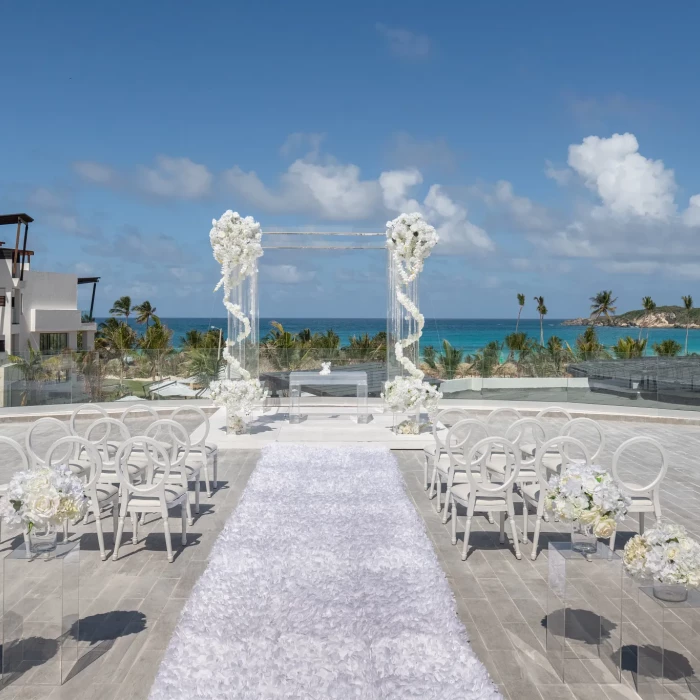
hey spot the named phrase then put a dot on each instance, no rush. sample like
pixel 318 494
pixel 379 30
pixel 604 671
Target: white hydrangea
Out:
pixel 588 494
pixel 43 496
pixel 411 240
pixel 238 396
pixel 665 554
pixel 236 240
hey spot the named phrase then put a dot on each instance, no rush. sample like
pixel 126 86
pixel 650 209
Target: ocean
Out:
pixel 468 334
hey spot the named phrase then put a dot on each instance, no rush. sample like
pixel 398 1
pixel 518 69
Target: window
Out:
pixel 15 309
pixel 2 345
pixel 53 342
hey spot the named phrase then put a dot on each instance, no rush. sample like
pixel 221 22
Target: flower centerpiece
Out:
pixel 325 369
pixel 669 557
pixel 236 242
pixel 590 499
pixel 40 500
pixel 410 240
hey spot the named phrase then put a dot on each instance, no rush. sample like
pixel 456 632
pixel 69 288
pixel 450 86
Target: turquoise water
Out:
pixel 469 334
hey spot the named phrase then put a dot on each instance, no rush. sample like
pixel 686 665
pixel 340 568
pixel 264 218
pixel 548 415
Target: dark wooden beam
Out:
pixel 24 251
pixel 92 301
pixel 16 253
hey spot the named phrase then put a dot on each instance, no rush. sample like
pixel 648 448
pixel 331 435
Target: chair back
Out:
pixel 443 422
pixel 647 442
pixel 578 426
pixel 13 444
pixel 132 411
pixel 523 431
pixel 201 441
pixel 102 432
pixel 504 414
pixel 85 408
pixel 154 477
pixel 459 440
pixel 167 432
pixel 37 455
pixel 560 444
pixel 78 445
pixel 479 455
pixel 550 411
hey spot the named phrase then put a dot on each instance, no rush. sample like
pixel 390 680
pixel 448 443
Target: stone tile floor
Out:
pixel 130 607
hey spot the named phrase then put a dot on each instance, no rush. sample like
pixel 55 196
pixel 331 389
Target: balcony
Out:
pixel 56 320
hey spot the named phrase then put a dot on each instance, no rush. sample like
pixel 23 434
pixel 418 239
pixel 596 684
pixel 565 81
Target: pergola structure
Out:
pixel 19 255
pixel 93 281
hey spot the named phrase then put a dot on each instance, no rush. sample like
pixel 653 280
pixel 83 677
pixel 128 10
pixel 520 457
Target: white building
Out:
pixel 39 308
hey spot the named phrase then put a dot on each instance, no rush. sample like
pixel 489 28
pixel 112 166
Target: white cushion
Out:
pixel 173 493
pixel 106 491
pixel 430 450
pixel 531 491
pixel 461 493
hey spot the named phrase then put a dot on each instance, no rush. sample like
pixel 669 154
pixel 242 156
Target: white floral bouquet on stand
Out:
pixel 407 394
pixel 668 556
pixel 42 499
pixel 239 397
pixel 410 239
pixel 588 497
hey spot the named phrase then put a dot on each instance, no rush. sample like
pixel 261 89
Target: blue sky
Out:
pixel 553 145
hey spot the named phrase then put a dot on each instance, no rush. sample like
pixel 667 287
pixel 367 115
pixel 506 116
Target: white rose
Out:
pixel 604 528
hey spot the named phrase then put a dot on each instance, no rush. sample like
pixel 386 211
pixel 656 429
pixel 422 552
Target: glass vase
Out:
pixel 582 538
pixel 43 541
pixel 671 592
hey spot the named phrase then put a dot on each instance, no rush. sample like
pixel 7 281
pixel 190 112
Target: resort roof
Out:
pixel 15 219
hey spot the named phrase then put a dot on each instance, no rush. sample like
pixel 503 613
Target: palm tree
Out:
pixel 542 311
pixel 156 341
pixel 121 307
pixel 430 357
pixel 193 339
pixel 516 343
pixel 33 371
pixel 649 308
pixel 146 313
pixel 521 303
pixel 487 359
pixel 667 348
pixel 362 348
pixel 603 303
pixel 588 347
pixel 203 365
pixel 629 347
pixel 304 335
pixel 688 302
pixel 449 359
pixel 117 339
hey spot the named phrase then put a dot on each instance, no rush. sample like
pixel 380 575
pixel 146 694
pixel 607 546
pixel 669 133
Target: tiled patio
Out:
pixel 501 601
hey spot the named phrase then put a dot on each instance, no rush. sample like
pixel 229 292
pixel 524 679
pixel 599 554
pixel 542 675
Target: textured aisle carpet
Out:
pixel 323 584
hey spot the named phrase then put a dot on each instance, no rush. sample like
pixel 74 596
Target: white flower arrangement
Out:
pixel 325 369
pixel 43 497
pixel 587 494
pixel 410 239
pixel 238 396
pixel 666 554
pixel 403 394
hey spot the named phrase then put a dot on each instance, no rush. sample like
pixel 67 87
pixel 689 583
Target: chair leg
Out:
pixel 207 480
pixel 426 484
pixel 446 510
pixel 612 541
pixel 190 519
pixel 454 521
pixel 197 489
pixel 524 540
pixel 135 528
pixel 502 525
pixel 489 517
pixel 118 539
pixel 438 493
pixel 183 518
pixel 115 517
pixel 166 529
pixel 514 530
pixel 641 523
pixel 100 535
pixel 467 530
pixel 536 535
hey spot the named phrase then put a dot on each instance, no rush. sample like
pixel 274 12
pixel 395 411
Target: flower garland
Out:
pixel 666 554
pixel 236 242
pixel 587 494
pixel 410 239
pixel 43 496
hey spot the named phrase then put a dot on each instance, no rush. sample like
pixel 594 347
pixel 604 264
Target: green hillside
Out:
pixel 678 310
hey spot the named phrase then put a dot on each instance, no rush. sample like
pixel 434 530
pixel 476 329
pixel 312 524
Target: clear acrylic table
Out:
pixel 299 379
pixel 667 644
pixel 40 616
pixel 584 614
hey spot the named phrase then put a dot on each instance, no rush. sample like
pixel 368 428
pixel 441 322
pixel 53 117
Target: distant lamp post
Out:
pixel 220 332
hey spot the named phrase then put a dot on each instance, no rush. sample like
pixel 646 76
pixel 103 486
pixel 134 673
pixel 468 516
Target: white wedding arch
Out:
pixel 237 245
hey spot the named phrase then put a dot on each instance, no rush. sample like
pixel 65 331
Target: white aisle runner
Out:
pixel 323 584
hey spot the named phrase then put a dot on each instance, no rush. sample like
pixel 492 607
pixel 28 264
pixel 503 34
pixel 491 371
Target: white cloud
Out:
pixel 408 151
pixel 286 274
pixel 635 267
pixel 689 270
pixel 300 140
pixel 95 172
pixel 562 176
pixel 691 216
pixel 403 42
pixel 525 212
pixel 178 178
pixel 628 184
pixel 58 211
pixel 395 184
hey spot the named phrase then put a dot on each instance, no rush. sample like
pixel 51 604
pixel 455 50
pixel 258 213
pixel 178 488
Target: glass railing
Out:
pixel 600 377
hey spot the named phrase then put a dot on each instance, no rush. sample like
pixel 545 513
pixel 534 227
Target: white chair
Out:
pixel 553 410
pixel 580 428
pixel 442 423
pixel 462 434
pixel 168 432
pixel 479 495
pixel 104 434
pixel 533 494
pixel 100 496
pixel 131 411
pixel 645 499
pixel 23 466
pixel 35 454
pixel 492 420
pixel 85 408
pixel 207 451
pixel 155 495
